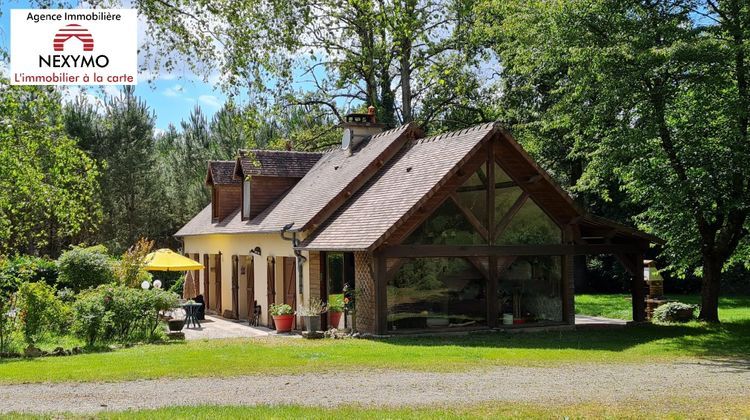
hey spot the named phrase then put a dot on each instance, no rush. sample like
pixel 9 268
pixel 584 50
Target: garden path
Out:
pixel 650 385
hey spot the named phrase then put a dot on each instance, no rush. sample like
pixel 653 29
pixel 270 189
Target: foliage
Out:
pixel 8 315
pixel 83 268
pixel 278 309
pixel 314 308
pixel 650 95
pixel 121 314
pixel 91 317
pixel 48 184
pixel 674 312
pixel 336 303
pixel 178 285
pixel 411 60
pixel 129 270
pixel 26 268
pixel 39 311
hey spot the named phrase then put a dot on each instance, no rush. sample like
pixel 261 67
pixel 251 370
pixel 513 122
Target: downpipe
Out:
pixel 299 258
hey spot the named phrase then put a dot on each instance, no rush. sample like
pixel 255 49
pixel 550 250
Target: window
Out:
pixel 436 293
pixel 246 199
pixel 472 195
pixel 530 226
pixel 529 289
pixel 447 226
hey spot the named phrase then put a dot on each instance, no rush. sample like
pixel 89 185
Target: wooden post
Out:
pixel 638 288
pixel 381 294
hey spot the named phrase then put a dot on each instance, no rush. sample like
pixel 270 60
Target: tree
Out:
pixel 48 186
pixel 405 57
pixel 653 94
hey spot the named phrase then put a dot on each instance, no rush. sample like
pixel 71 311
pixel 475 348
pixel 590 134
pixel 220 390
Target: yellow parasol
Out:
pixel 167 260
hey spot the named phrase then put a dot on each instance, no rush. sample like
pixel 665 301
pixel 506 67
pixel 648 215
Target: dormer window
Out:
pixel 245 199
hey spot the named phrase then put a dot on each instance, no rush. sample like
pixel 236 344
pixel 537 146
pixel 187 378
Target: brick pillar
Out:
pixel 365 298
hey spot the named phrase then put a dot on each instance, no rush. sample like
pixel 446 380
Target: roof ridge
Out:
pixel 460 132
pixel 280 151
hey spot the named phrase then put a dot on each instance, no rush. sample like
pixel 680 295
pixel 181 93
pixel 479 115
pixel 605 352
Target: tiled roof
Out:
pixel 337 175
pixel 399 187
pixel 276 162
pixel 221 172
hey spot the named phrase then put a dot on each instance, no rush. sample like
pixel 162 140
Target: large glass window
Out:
pixel 530 225
pixel 473 195
pixel 447 226
pixel 529 289
pixel 433 293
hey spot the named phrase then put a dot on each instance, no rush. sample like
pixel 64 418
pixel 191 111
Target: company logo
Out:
pixel 73 30
pixel 73 47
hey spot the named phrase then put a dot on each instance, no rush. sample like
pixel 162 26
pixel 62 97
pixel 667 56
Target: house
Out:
pixel 457 231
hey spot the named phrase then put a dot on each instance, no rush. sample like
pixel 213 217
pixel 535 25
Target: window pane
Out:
pixel 473 195
pixel 530 226
pixel 530 289
pixel 436 293
pixel 447 226
pixel 500 175
pixel 504 200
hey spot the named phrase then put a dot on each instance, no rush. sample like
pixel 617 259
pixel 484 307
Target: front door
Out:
pixel 290 282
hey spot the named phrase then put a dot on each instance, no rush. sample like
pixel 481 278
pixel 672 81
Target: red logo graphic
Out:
pixel 73 30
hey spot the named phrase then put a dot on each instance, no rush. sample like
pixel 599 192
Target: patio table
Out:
pixel 191 314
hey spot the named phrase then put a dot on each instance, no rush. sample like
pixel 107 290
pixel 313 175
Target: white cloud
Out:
pixel 210 100
pixel 174 91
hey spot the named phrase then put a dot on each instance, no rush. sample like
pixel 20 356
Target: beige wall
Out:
pixel 241 244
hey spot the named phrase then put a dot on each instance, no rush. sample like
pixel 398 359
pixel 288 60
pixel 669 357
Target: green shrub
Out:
pixel 27 268
pixel 39 311
pixel 178 285
pixel 118 313
pixel 84 268
pixel 674 312
pixel 91 317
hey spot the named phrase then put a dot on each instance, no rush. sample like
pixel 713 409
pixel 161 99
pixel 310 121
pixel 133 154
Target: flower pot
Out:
pixel 283 323
pixel 312 323
pixel 334 319
pixel 176 325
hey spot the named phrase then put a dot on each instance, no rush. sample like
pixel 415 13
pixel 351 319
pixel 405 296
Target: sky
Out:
pixel 171 96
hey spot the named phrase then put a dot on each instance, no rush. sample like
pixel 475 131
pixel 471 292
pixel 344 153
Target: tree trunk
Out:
pixel 712 265
pixel 406 80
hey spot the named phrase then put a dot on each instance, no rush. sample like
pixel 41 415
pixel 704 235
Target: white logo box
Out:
pixel 73 47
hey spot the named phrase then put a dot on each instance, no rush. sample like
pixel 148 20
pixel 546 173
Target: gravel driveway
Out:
pixel 606 383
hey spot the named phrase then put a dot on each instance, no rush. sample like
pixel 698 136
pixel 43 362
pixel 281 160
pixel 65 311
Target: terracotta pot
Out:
pixel 283 323
pixel 334 318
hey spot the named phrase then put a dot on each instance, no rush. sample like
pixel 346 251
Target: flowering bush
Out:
pixel 674 312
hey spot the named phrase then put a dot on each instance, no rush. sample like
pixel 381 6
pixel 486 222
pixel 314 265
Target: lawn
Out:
pixel 715 408
pixel 650 343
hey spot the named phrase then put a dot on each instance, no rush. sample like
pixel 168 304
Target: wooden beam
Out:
pixel 505 221
pixel 391 272
pixel 420 251
pixel 498 186
pixel 491 195
pixel 471 218
pixel 475 261
pixel 381 294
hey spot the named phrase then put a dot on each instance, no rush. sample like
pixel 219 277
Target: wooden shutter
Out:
pixel 290 282
pixel 250 275
pixel 218 283
pixel 271 288
pixel 235 286
pixel 206 277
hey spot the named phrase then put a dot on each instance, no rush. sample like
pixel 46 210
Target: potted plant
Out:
pixel 283 317
pixel 335 309
pixel 311 312
pixel 176 325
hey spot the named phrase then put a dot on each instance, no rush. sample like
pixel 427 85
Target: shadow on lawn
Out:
pixel 726 340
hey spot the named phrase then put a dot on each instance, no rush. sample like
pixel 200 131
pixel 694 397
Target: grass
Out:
pixel 618 306
pixel 652 343
pixel 717 408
